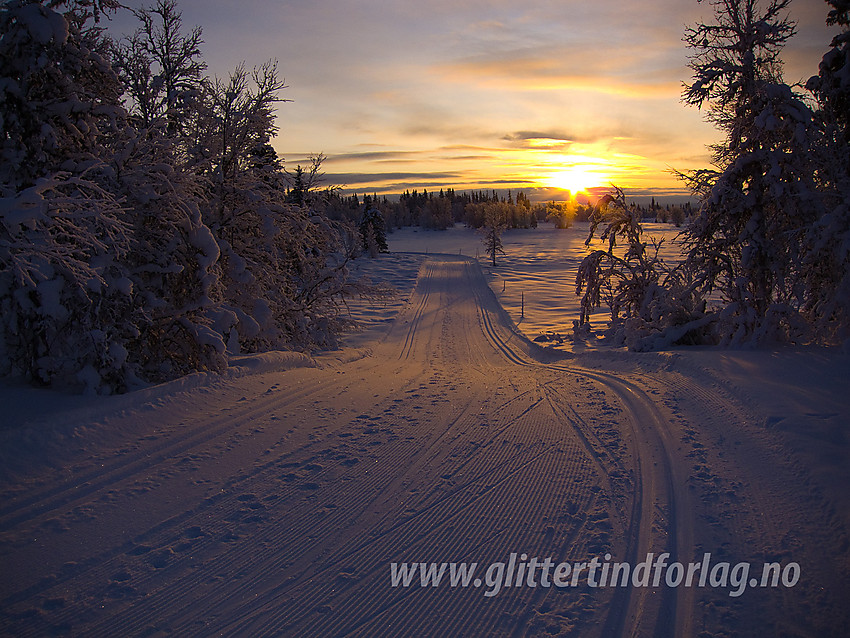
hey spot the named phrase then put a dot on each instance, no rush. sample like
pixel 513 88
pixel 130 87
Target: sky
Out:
pixel 538 96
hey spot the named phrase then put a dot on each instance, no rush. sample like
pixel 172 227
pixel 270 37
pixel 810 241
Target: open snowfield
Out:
pixel 535 279
pixel 274 500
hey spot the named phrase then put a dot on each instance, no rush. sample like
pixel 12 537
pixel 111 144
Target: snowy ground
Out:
pixel 535 279
pixel 272 501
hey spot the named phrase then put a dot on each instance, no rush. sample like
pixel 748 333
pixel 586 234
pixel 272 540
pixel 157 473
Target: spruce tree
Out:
pixel 745 241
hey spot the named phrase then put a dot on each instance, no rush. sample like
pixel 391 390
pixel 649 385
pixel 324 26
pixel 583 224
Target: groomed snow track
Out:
pixel 274 505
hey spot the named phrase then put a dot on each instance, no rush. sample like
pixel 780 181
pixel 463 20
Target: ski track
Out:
pixel 656 493
pixel 274 505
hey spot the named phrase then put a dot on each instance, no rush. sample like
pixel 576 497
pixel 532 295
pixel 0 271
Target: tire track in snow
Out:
pixel 756 512
pixel 149 610
pixel 297 537
pixel 161 537
pixel 431 534
pixel 80 487
pixel 664 488
pixel 124 468
pixel 434 518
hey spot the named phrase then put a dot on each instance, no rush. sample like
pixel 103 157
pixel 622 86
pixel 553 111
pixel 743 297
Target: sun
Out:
pixel 575 179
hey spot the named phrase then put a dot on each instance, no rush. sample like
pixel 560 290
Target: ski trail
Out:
pixel 661 487
pixel 274 505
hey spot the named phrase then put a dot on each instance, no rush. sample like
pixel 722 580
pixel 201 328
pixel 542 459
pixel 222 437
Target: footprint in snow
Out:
pixel 161 558
pixel 194 532
pixel 53 603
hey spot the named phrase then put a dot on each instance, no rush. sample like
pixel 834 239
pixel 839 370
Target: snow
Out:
pixel 43 26
pixel 537 272
pixel 272 499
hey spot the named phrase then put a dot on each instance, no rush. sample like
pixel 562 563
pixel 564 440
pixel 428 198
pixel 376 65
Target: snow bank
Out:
pixel 372 317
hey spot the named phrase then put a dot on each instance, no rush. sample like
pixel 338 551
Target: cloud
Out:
pixel 557 140
pixel 350 179
pixel 374 156
pixel 571 70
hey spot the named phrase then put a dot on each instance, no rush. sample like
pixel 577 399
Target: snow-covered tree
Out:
pixel 746 240
pixel 242 118
pixel 62 234
pixel 173 261
pixel 651 305
pixel 161 67
pixel 624 282
pixel 826 263
pixel 108 270
pixel 139 247
pixel 832 84
pixel 60 96
pixel 87 10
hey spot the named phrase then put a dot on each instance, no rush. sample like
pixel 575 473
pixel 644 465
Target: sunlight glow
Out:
pixel 575 179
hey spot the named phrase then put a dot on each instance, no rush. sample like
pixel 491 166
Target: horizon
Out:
pixel 535 197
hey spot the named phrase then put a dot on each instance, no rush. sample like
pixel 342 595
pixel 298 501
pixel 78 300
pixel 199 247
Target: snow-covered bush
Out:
pixel 283 269
pixel 173 261
pixel 108 269
pixel 282 264
pixel 58 94
pixel 63 289
pixel 650 304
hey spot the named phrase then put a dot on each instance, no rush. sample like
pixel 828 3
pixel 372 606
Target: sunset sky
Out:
pixel 483 94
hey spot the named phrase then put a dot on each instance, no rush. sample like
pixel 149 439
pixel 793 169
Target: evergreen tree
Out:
pixel 495 223
pixel 832 84
pixel 745 240
pixel 826 263
pixel 373 232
